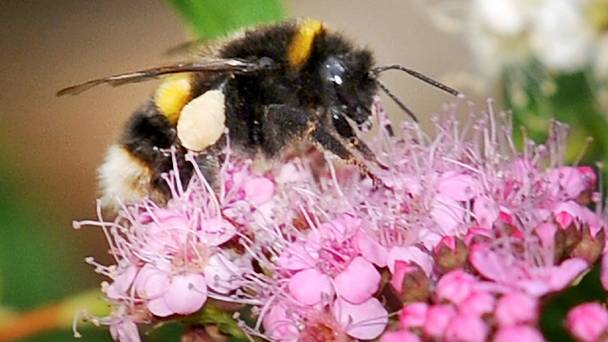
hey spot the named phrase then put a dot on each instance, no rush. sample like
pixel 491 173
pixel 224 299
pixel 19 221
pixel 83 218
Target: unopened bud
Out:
pixel 450 254
pixel 589 247
pixel 410 283
pixel 565 241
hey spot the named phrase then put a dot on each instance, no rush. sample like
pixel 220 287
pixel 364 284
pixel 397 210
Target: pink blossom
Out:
pixel 467 231
pixel 437 319
pixel 520 333
pixel 536 279
pixel 124 330
pixel 455 286
pixel 486 211
pixel 588 321
pixel 399 336
pixel 327 262
pixel 290 322
pixel 413 315
pixel 516 308
pixel 466 328
pixel 570 182
pixel 478 303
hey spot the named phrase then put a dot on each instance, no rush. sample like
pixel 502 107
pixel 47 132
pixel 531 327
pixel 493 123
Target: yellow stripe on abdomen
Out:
pixel 301 45
pixel 173 94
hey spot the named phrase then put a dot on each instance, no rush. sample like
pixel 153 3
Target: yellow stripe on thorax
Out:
pixel 173 94
pixel 301 45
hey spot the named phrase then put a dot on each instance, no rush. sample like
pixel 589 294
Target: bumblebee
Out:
pixel 271 87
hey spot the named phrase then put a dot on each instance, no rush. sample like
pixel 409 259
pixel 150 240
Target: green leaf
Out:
pixel 556 307
pixel 211 19
pixel 535 97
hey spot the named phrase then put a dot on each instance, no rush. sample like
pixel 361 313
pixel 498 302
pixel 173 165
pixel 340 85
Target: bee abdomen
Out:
pixel 123 178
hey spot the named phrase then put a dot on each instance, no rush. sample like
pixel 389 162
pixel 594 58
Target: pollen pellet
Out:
pixel 202 121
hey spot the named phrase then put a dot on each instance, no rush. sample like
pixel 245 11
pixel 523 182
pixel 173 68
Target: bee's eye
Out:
pixel 333 71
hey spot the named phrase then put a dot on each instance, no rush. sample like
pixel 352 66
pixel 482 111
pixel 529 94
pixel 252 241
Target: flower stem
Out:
pixel 52 317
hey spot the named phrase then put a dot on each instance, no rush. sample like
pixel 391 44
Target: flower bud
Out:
pixel 589 247
pixel 520 333
pixel 449 254
pixel 588 322
pixel 515 308
pixel 466 328
pixel 455 286
pixel 437 319
pixel 410 282
pixel 565 240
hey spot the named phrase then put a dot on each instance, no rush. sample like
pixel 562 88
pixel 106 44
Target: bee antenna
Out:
pixel 397 101
pixel 419 76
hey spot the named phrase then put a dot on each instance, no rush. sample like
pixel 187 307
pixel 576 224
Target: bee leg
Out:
pixel 322 137
pixel 353 141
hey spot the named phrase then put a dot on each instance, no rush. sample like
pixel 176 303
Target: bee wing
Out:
pixel 234 66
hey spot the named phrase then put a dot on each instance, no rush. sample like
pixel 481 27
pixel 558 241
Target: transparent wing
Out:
pixel 219 66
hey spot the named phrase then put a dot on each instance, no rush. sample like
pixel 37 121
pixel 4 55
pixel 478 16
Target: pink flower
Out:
pixel 587 322
pixel 486 211
pixel 166 295
pixel 399 336
pixel 516 308
pixel 437 319
pixel 466 328
pixel 570 182
pixel 478 303
pixel 124 330
pixel 455 286
pixel 519 333
pixel 290 322
pixel 413 315
pixel 327 262
pixel 507 269
pixel 467 231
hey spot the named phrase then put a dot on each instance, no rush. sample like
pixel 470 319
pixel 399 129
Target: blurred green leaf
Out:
pixel 536 97
pixel 211 19
pixel 555 309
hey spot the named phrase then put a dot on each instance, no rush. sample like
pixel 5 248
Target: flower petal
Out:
pixel 413 254
pixel 447 213
pixel 458 186
pixel 358 282
pixel 565 273
pixel 310 286
pixel 151 283
pixel 296 257
pixel 186 294
pixel 486 211
pixel 158 307
pixel 258 190
pixel 216 231
pixel 364 321
pixel 121 283
pixel 221 274
pixel 371 249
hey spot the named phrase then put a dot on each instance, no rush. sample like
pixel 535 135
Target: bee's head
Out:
pixel 347 86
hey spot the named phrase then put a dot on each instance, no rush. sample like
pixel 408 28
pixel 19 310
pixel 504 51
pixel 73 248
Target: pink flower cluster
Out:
pixel 463 242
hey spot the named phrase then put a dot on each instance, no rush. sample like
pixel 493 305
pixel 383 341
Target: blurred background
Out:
pixel 51 147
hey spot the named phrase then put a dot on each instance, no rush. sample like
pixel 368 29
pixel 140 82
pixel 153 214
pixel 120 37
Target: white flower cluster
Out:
pixel 563 35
